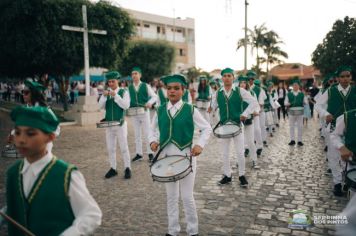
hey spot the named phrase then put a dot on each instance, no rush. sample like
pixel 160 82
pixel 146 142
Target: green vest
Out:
pixel 350 130
pixel 162 99
pixel 139 98
pixel 204 95
pixel 230 108
pixel 113 111
pixel 267 105
pixel 179 129
pixel 47 210
pixel 185 97
pixel 338 103
pixel 296 101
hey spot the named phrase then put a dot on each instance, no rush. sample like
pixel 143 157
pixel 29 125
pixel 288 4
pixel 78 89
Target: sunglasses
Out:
pixel 26 92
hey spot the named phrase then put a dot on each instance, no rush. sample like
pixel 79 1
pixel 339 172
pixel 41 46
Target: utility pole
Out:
pixel 245 56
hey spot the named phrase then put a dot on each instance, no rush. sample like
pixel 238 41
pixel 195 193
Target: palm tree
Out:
pixel 255 39
pixel 272 50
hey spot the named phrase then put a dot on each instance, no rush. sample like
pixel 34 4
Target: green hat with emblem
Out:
pixel 201 78
pixel 257 82
pixel 226 71
pixel 38 117
pixel 112 75
pixel 295 80
pixel 176 78
pixel 212 81
pixel 251 74
pixel 269 84
pixel 243 78
pixel 32 85
pixel 137 69
pixel 342 69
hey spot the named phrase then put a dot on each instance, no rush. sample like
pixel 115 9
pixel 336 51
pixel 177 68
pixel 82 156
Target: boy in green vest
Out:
pixel 141 95
pixel 161 93
pixel 204 95
pixel 46 195
pixel 229 100
pixel 295 98
pixel 330 105
pixel 178 140
pixel 115 102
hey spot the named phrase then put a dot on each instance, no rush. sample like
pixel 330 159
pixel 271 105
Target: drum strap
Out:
pixel 217 125
pixel 156 157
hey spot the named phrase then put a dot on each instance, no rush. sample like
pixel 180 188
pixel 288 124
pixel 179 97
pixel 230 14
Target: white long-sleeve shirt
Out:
pixel 86 211
pixel 198 120
pixel 321 105
pixel 295 93
pixel 336 137
pixel 245 95
pixel 151 94
pixel 123 102
pixel 261 97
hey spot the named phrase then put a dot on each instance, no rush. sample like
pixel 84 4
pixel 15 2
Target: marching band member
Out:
pixel 295 98
pixel 116 101
pixel 141 95
pixel 183 118
pixel 268 107
pixel 204 95
pixel 53 190
pixel 229 100
pixel 337 100
pixel 161 93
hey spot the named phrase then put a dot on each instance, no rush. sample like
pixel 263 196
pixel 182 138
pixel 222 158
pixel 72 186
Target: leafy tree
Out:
pixel 155 58
pixel 338 47
pixel 35 43
pixel 193 73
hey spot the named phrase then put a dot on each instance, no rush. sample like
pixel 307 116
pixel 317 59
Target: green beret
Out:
pixel 112 75
pixel 251 74
pixel 201 78
pixel 38 117
pixel 227 70
pixel 295 80
pixel 257 82
pixel 32 85
pixel 212 82
pixel 269 84
pixel 176 78
pixel 137 69
pixel 343 68
pixel 242 78
pixel 163 78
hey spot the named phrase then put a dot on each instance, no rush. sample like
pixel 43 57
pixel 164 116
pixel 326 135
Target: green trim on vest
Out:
pixel 338 103
pixel 204 95
pixel 179 129
pixel 257 91
pixel 139 98
pixel 47 209
pixel 162 99
pixel 113 112
pixel 230 108
pixel 267 104
pixel 296 101
pixel 350 134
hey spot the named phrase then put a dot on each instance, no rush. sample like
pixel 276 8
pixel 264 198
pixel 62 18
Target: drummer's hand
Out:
pixel 345 153
pixel 256 114
pixel 154 146
pixel 106 93
pixel 329 118
pixel 196 150
pixel 243 118
pixel 209 109
pixel 148 105
pixel 112 93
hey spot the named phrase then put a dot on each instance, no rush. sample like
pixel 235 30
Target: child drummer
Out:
pixel 183 118
pixel 230 100
pixel 115 102
pixel 46 195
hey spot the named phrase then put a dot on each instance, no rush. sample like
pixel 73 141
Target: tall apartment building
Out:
pixel 179 32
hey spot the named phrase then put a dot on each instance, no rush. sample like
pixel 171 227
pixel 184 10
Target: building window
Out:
pixel 179 30
pixel 138 24
pixel 158 29
pixel 146 25
pixel 163 30
pixel 181 52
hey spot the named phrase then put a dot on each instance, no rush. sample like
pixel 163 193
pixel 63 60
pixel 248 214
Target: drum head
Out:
pixel 351 178
pixel 170 166
pixel 226 129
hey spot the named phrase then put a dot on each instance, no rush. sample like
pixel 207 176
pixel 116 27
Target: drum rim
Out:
pixel 227 135
pixel 180 176
pixel 349 181
pixel 156 176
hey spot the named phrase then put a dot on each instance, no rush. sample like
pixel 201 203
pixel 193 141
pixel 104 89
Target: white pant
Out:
pixel 257 131
pixel 334 159
pixel 275 116
pixel 205 114
pixel 114 135
pixel 142 122
pixel 296 121
pixel 263 125
pixel 250 141
pixel 239 148
pixel 185 187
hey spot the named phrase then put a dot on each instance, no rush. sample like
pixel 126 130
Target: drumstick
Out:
pixel 19 226
pixel 177 161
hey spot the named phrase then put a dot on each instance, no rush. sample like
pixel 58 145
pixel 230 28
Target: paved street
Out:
pixel 290 178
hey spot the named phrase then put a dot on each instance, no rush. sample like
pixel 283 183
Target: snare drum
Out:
pixel 350 179
pixel 202 104
pixel 296 111
pixel 10 151
pixel 227 130
pixel 269 118
pixel 106 124
pixel 133 111
pixel 171 168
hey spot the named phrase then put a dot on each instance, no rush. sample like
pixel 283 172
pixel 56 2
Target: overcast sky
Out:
pixel 219 24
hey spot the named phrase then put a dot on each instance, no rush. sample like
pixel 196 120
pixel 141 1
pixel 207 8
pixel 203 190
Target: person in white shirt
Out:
pixel 45 180
pixel 115 101
pixel 183 118
pixel 141 95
